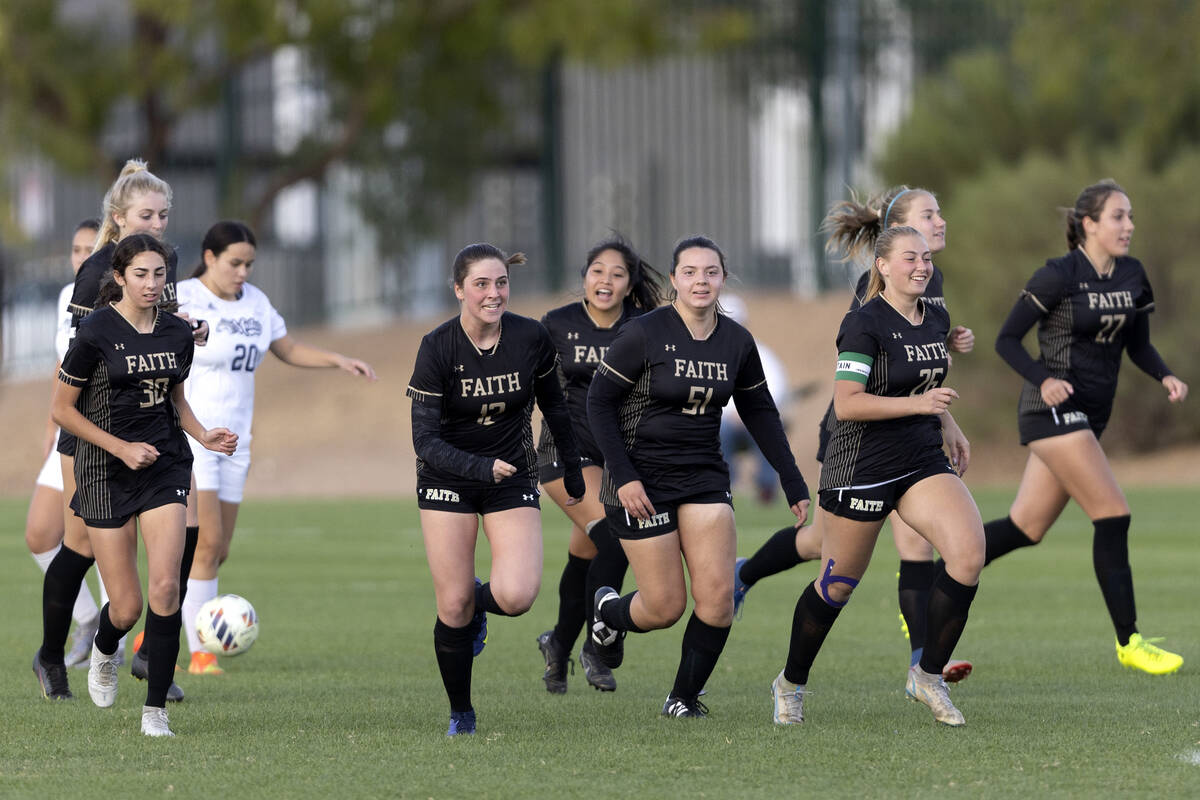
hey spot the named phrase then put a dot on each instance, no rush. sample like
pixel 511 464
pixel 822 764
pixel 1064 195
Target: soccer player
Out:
pixel 45 522
pixel 853 228
pixel 121 395
pixel 617 286
pixel 476 378
pixel 655 411
pixel 1090 306
pixel 137 202
pixel 244 327
pixel 886 454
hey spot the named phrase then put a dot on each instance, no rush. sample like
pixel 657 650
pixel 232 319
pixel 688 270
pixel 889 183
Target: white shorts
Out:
pixel 51 474
pixel 225 475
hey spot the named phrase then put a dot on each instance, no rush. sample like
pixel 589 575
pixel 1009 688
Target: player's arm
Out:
pixel 614 378
pixel 1145 355
pixel 134 455
pixel 220 440
pixel 299 354
pixel 550 400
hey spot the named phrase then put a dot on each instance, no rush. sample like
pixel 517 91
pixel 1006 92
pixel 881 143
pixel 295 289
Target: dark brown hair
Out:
pixel 480 252
pixel 1090 203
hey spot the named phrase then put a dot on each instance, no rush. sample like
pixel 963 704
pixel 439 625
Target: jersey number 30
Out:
pixel 155 390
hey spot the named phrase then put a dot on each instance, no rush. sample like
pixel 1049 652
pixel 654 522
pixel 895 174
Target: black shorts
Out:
pixel 873 503
pixel 664 521
pixel 550 467
pixel 135 504
pixel 477 498
pixel 66 443
pixel 1035 425
pixel 554 470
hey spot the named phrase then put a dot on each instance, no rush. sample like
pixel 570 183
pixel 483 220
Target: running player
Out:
pixel 473 387
pixel 886 454
pixel 617 286
pixel 1089 306
pixel 44 524
pixel 125 370
pixel 655 411
pixel 244 326
pixel 853 228
pixel 137 202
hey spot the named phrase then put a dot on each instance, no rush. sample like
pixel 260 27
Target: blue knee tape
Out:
pixel 828 579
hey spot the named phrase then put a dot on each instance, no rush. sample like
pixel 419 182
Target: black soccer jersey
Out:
pixel 127 379
pixel 580 343
pixel 892 357
pixel 1086 319
pixel 485 400
pixel 669 422
pixel 93 272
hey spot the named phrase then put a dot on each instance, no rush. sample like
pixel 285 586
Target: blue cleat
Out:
pixel 739 588
pixel 461 723
pixel 480 640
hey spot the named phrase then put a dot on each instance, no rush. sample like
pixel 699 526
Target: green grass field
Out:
pixel 341 694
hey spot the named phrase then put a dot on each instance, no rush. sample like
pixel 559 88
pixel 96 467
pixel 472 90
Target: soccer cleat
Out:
pixel 955 671
pixel 52 678
pixel 102 678
pixel 80 652
pixel 739 588
pixel 461 722
pixel 789 701
pixel 682 707
pixel 1141 654
pixel 154 722
pixel 204 663
pixel 139 667
pixel 595 670
pixel 481 635
pixel 922 687
pixel 557 659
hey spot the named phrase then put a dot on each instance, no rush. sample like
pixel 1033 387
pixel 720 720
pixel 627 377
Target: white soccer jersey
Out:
pixel 62 327
pixel 220 389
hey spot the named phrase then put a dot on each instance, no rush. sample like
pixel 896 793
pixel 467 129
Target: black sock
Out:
pixel 949 602
pixel 702 646
pixel 776 555
pixel 811 622
pixel 60 587
pixel 190 537
pixel 1110 557
pixel 609 566
pixel 161 645
pixel 108 635
pixel 484 600
pixel 1003 536
pixel 572 605
pixel 454 656
pixel 916 578
pixel 616 614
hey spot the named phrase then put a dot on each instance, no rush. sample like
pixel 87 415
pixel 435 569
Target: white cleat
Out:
pixel 922 687
pixel 154 721
pixel 102 678
pixel 789 701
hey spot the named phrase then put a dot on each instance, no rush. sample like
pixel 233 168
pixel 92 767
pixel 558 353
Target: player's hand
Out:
pixel 220 440
pixel 1177 390
pixel 956 445
pixel 1055 391
pixel 574 484
pixel 138 455
pixel 962 340
pixel 935 401
pixel 633 498
pixel 357 367
pixel 800 509
pixel 502 470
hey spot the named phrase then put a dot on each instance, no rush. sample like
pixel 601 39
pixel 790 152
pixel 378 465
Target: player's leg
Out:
pixel 116 559
pixel 1039 502
pixel 786 548
pixel 162 531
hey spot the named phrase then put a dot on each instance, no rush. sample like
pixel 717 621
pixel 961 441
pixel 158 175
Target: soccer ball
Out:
pixel 227 625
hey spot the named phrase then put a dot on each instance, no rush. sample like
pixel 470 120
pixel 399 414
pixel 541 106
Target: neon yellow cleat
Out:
pixel 1141 654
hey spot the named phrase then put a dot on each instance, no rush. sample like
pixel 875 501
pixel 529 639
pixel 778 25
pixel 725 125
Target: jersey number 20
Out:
pixel 245 358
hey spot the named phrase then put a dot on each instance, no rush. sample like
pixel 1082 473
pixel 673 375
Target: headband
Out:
pixel 889 208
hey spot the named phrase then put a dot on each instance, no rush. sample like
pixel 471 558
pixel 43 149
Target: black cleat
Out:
pixel 557 658
pixel 594 669
pixel 52 678
pixel 683 707
pixel 139 667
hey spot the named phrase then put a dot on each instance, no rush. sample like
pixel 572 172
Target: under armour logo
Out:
pixel 528 497
pixel 1083 285
pixel 119 346
pixel 669 347
pixel 459 368
pixel 573 335
pixel 181 492
pixel 897 335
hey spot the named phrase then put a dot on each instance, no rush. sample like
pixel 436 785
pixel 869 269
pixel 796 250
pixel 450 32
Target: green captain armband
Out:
pixel 853 367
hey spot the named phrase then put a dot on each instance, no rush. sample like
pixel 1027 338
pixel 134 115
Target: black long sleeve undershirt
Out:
pixel 604 404
pixel 1143 354
pixel 1008 343
pixel 433 449
pixel 553 405
pixel 761 418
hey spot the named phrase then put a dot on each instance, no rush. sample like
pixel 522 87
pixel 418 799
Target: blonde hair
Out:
pixel 854 225
pixel 135 179
pixel 885 242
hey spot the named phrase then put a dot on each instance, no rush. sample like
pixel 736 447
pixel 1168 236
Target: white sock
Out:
pixel 199 592
pixel 43 559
